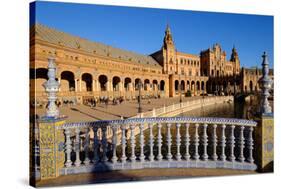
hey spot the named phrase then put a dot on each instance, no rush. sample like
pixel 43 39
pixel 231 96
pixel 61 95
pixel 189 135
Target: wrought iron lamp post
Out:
pixel 234 87
pixel 139 99
pixel 265 84
pixel 52 87
pixel 203 96
pixel 180 89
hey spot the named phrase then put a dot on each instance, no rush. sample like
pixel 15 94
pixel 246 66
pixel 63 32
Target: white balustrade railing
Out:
pixel 192 104
pixel 167 142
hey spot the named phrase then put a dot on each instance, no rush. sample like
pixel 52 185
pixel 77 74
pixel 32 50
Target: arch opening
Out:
pixel 127 83
pixel 155 85
pixel 103 81
pixel 67 81
pixel 146 84
pixel 176 85
pixel 182 86
pixel 116 83
pixel 162 85
pixel 37 78
pixel 138 84
pixel 87 81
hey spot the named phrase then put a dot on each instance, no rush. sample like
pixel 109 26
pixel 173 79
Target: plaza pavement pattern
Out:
pixel 78 113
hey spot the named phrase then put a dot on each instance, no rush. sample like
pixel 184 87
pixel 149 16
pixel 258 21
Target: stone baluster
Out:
pixel 96 145
pixel 250 145
pixel 133 143
pixel 265 84
pixel 196 142
pixel 178 140
pixel 223 143
pixel 187 142
pixel 104 143
pixel 142 157
pixel 215 156
pixel 205 142
pixel 241 144
pixel 77 147
pixel 159 140
pixel 123 142
pixel 86 147
pixel 169 142
pixel 232 143
pixel 151 156
pixel 52 87
pixel 114 144
pixel 68 148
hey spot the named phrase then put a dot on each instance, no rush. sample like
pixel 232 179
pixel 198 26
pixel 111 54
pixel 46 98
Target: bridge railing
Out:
pixel 163 142
pixel 191 104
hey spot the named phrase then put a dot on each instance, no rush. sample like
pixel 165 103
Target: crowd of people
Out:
pixel 92 102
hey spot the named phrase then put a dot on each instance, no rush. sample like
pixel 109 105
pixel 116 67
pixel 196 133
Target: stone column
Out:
pixel 97 86
pixel 265 84
pixel 121 87
pixel 80 84
pixel 76 85
pixel 265 129
pixel 93 85
pixel 51 136
pixel 194 89
pixel 133 87
pixel 59 80
pixel 205 87
pixel 52 87
pixel 108 84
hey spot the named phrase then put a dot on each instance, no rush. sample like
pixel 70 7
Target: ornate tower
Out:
pixel 235 59
pixel 169 53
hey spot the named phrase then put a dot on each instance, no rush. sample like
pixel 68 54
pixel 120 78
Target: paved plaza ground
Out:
pixel 127 109
pixel 139 175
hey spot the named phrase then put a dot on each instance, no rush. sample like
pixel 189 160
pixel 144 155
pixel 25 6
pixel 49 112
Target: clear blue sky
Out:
pixel 142 29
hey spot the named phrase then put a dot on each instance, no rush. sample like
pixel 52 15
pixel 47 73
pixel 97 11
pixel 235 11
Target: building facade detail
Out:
pixel 87 69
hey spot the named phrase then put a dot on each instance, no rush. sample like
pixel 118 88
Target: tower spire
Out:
pixel 234 54
pixel 168 39
pixel 234 49
pixel 168 30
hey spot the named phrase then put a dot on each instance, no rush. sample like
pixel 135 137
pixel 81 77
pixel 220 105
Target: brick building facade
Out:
pixel 89 69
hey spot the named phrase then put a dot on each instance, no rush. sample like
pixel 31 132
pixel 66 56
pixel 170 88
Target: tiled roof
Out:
pixel 188 55
pixel 60 38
